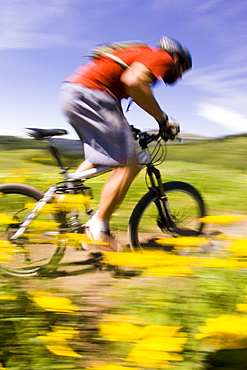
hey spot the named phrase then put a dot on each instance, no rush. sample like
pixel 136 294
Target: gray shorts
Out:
pixel 99 122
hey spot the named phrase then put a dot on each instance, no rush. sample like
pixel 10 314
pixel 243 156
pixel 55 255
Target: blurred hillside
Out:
pixel 13 143
pixel 228 151
pixel 67 145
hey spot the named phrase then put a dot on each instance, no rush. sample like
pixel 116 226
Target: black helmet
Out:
pixel 172 46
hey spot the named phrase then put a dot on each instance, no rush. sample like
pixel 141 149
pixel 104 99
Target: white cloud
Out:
pixel 223 116
pixel 222 22
pixel 39 24
pixel 222 94
pixel 35 23
pixel 222 81
pixel 31 23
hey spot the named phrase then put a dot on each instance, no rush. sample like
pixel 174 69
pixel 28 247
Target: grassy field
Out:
pixel 122 320
pixel 217 168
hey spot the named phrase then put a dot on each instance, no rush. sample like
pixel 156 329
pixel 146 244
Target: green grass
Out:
pixel 229 153
pixel 216 168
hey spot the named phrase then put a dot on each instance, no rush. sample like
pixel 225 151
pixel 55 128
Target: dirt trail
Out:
pixel 73 276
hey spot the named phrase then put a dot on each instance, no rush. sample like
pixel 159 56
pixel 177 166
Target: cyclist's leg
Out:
pixel 108 140
pixel 112 195
pixel 116 188
pixel 84 166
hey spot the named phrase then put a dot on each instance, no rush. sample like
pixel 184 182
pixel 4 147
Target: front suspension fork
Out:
pixel 165 217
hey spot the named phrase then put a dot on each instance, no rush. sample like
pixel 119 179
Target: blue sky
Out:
pixel 42 42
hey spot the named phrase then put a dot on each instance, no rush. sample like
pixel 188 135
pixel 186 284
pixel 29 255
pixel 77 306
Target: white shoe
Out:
pixel 97 227
pixel 105 243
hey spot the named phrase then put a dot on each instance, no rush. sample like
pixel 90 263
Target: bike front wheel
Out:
pixel 38 247
pixel 148 221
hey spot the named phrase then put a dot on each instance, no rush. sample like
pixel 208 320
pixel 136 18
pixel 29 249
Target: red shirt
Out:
pixel 104 73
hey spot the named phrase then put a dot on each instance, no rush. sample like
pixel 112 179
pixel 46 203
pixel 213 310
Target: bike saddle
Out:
pixel 40 133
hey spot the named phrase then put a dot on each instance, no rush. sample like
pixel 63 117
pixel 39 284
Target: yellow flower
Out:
pixel 47 208
pixel 2 368
pixel 21 170
pixel 157 345
pixel 218 263
pixel 152 359
pixel 119 331
pixel 61 349
pixel 51 303
pixel 131 259
pixel 40 225
pixel 63 332
pixel 5 244
pixel 6 219
pixel 56 341
pixel 156 263
pixel 79 238
pixel 225 332
pixel 239 247
pixel 241 307
pixel 154 343
pixel 160 331
pixel 168 344
pixel 241 264
pixel 8 297
pixel 68 202
pixel 63 202
pixel 146 259
pixel 7 251
pixel 184 241
pixel 222 219
pixel 14 179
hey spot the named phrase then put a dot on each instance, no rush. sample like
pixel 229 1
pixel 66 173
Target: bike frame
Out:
pixel 72 179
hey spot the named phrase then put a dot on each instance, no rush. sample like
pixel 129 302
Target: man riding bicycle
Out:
pixel 91 99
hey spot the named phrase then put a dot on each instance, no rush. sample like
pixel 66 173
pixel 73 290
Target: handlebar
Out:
pixel 145 138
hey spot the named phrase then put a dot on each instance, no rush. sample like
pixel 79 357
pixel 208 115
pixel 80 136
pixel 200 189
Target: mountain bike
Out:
pixel 38 226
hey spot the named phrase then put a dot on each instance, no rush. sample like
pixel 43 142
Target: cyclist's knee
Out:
pixel 134 165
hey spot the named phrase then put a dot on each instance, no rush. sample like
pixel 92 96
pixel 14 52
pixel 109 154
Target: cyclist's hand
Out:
pixel 169 128
pixel 173 128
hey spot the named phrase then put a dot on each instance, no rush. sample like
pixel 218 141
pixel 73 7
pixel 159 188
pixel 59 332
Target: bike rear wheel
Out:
pixel 186 207
pixel 39 247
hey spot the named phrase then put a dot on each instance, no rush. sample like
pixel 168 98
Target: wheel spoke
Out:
pixel 185 207
pixel 34 248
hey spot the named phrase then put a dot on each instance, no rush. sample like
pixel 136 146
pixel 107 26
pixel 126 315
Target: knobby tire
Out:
pixel 14 200
pixel 186 207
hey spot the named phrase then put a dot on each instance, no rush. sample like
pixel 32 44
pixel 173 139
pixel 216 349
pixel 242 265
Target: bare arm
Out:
pixel 136 81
